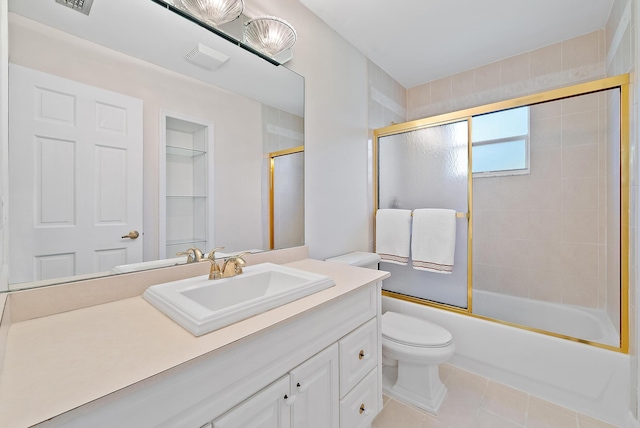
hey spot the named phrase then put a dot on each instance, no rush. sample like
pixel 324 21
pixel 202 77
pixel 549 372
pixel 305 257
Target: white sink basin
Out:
pixel 201 305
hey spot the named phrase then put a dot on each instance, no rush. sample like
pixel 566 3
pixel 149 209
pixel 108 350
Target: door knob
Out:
pixel 132 235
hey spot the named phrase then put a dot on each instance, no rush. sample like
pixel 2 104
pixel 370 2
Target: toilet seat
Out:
pixel 410 331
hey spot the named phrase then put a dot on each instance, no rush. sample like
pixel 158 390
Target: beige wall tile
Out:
pixel 514 69
pixel 545 255
pixel 546 60
pixel 546 133
pixel 546 163
pixel 513 224
pixel 419 96
pixel 580 290
pixel 580 161
pixel 441 90
pixel 545 285
pixel 580 194
pixel 513 282
pixel 580 128
pixel 579 259
pixel 580 226
pixel 487 77
pixel 580 104
pixel 486 277
pixel 545 110
pixel 545 195
pixel 463 84
pixel 580 51
pixel 486 224
pixel 545 225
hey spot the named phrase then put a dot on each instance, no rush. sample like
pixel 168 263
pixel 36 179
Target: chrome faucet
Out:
pixel 193 254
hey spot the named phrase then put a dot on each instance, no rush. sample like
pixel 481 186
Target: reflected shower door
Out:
pixel 428 168
pixel 287 199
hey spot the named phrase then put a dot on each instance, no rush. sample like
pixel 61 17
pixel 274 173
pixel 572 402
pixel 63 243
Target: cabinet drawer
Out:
pixel 358 355
pixel 360 406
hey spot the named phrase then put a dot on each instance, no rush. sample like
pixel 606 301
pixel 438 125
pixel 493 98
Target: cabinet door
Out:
pixel 315 385
pixel 269 408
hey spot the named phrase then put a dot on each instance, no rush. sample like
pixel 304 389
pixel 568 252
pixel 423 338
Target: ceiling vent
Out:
pixel 206 57
pixel 83 6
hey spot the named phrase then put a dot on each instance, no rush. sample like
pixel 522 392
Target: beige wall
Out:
pixel 237 125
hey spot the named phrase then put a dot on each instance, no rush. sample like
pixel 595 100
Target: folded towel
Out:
pixel 393 235
pixel 433 242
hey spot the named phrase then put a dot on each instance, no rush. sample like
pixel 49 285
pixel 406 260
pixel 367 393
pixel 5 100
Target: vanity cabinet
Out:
pixel 336 388
pixel 325 360
pixel 305 398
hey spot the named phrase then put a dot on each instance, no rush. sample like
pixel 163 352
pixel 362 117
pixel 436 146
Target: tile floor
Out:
pixel 478 402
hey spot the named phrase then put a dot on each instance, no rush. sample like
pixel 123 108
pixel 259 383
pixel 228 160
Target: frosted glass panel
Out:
pixel 427 168
pixel 288 198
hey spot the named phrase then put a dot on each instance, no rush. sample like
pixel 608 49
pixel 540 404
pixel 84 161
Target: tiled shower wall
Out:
pixel 622 44
pixel 283 130
pixel 542 235
pixel 387 105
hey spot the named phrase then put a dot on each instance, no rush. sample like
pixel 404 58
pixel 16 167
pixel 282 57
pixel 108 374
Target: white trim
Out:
pixel 633 422
pixel 625 20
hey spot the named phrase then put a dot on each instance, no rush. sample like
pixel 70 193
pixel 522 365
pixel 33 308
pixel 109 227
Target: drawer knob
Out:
pixel 362 355
pixel 289 400
pixel 302 387
pixel 364 410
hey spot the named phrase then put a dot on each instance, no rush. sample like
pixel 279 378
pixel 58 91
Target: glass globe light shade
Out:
pixel 269 34
pixel 213 12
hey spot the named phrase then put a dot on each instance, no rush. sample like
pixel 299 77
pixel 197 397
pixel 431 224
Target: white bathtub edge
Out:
pixel 583 378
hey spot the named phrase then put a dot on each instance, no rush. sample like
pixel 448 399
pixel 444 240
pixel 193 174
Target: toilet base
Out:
pixel 424 391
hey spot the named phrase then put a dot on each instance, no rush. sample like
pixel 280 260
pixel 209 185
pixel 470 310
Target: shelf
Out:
pixel 193 241
pixel 184 152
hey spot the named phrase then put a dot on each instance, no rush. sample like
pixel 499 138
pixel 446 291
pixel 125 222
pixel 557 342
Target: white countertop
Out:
pixel 57 363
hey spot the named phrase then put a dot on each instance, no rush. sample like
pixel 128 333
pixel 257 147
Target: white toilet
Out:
pixel 412 349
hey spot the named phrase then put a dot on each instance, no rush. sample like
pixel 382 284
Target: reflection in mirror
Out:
pixel 246 103
pixel 286 217
pixel 549 209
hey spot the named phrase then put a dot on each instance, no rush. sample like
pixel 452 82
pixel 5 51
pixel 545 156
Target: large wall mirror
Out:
pixel 113 131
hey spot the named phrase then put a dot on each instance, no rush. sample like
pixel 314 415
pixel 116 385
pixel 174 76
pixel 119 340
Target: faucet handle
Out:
pixel 212 253
pixel 238 262
pixel 193 254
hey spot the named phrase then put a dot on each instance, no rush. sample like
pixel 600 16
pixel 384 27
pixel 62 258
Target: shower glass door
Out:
pixel 428 168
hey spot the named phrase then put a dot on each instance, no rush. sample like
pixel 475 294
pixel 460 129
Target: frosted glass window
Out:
pixel 501 142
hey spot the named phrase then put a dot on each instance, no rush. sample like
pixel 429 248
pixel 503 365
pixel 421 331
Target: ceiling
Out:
pixel 417 41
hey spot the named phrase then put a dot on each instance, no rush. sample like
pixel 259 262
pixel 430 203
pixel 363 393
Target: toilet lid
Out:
pixel 412 331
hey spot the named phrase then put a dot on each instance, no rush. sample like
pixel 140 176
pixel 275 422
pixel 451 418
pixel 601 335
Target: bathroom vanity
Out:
pixel 314 362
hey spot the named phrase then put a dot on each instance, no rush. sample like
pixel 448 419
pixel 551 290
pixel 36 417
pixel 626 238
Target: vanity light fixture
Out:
pixel 213 12
pixel 269 34
pixel 83 6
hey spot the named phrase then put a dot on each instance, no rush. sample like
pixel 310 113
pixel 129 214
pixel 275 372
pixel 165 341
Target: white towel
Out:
pixel 393 235
pixel 433 242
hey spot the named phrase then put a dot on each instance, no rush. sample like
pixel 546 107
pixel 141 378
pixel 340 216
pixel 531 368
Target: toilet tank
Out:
pixel 358 258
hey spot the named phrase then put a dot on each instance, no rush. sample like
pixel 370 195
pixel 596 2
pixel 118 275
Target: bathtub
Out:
pixel 587 379
pixel 573 321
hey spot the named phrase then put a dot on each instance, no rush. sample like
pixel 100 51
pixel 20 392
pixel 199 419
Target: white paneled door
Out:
pixel 75 177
